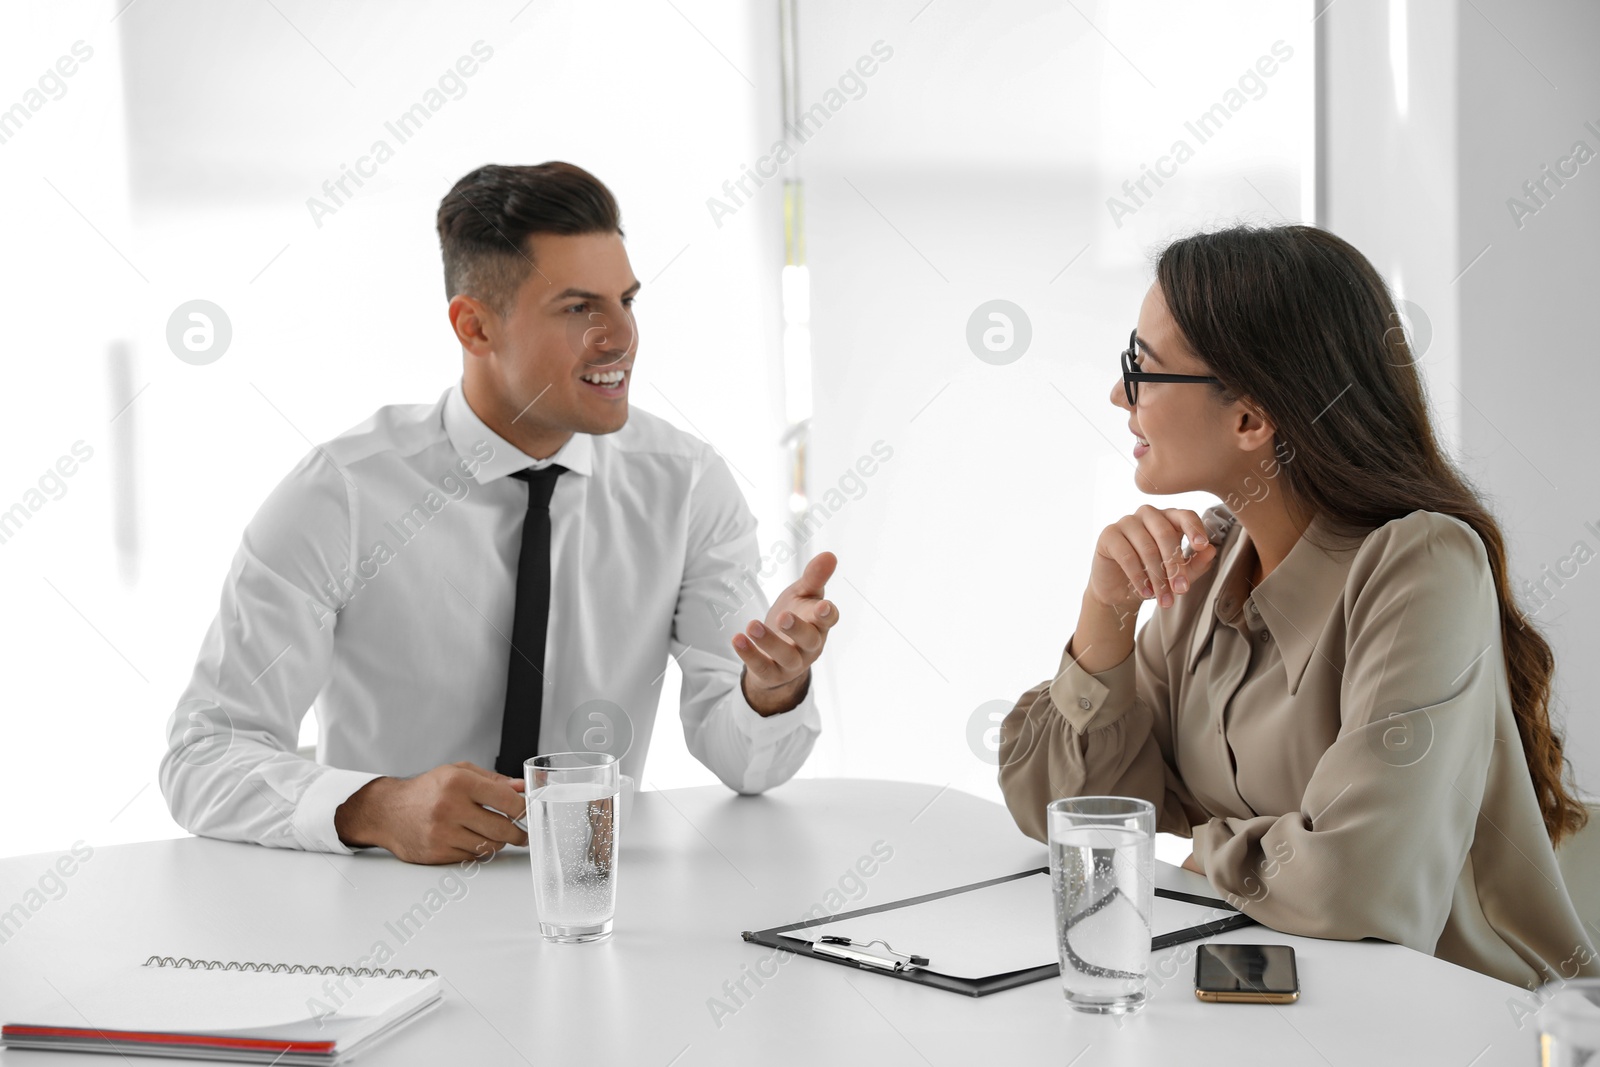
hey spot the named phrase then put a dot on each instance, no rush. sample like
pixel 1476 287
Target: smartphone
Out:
pixel 1246 974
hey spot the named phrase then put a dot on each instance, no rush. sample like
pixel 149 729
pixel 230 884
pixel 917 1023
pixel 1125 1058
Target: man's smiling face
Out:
pixel 560 360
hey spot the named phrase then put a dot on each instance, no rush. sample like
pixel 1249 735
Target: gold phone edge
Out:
pixel 1211 997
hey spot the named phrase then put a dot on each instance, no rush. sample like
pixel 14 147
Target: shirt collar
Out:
pixel 469 434
pixel 1294 600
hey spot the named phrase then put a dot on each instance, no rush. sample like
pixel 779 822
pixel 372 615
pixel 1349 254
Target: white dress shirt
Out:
pixel 378 581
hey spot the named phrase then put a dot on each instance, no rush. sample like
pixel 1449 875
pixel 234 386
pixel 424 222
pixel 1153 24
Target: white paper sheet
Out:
pixel 1006 927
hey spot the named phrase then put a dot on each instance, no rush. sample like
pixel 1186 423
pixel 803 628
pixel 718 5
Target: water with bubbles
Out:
pixel 1103 912
pixel 573 842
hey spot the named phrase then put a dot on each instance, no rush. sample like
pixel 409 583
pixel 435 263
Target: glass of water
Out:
pixel 1102 869
pixel 1569 1024
pixel 572 839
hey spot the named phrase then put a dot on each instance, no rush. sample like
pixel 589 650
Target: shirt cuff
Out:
pixel 313 816
pixel 1092 701
pixel 764 730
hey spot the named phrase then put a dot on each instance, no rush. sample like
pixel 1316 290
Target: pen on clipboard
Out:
pixel 888 959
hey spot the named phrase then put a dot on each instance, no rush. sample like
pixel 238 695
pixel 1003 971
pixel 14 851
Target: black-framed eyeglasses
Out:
pixel 1132 375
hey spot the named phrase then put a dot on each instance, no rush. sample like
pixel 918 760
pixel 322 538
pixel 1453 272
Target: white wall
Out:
pixel 1468 103
pixel 1528 351
pixel 1390 113
pixel 235 114
pixel 976 166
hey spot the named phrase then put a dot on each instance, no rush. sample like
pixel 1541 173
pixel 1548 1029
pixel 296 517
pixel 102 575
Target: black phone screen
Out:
pixel 1246 969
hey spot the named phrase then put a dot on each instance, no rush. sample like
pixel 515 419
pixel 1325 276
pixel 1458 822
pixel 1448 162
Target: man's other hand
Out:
pixel 441 816
pixel 778 655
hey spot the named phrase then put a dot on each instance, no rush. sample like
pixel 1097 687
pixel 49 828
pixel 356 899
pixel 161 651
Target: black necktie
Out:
pixel 519 727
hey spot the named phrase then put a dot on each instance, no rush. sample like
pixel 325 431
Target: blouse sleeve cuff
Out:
pixel 1208 837
pixel 1092 701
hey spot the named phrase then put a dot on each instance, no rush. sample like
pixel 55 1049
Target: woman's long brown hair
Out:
pixel 1292 317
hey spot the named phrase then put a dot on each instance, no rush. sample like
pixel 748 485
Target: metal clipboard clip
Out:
pixel 888 960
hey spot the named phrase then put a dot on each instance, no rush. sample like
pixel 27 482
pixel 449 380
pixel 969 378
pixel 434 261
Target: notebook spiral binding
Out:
pixel 286 968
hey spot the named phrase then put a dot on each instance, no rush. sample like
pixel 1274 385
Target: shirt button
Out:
pixel 1253 608
pixel 1085 703
pixel 1266 636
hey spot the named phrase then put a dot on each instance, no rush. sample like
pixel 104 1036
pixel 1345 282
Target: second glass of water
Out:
pixel 572 839
pixel 1569 1023
pixel 1102 870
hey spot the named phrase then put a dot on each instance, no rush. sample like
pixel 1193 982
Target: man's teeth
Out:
pixel 1141 440
pixel 610 377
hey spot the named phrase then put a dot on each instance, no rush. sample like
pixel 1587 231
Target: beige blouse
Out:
pixel 1338 742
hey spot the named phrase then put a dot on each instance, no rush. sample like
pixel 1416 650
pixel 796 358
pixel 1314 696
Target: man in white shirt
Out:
pixel 387 577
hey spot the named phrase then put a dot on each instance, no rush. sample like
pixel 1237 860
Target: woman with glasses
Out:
pixel 1337 696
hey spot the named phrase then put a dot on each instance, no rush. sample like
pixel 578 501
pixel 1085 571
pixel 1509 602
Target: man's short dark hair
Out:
pixel 486 218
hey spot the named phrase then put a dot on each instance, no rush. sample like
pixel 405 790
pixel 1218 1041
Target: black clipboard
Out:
pixel 908 967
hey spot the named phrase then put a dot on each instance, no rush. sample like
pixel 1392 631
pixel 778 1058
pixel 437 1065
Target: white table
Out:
pixel 697 867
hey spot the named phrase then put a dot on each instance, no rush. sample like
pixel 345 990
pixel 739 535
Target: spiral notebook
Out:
pixel 272 1013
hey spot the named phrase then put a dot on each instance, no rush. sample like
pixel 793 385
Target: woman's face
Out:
pixel 1194 443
